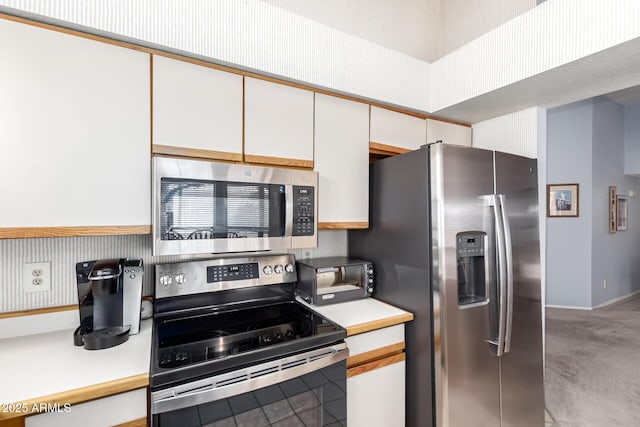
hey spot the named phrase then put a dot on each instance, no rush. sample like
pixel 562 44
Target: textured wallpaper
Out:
pixel 65 252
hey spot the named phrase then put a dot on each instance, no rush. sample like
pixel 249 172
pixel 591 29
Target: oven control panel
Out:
pixel 185 278
pixel 303 210
pixel 223 273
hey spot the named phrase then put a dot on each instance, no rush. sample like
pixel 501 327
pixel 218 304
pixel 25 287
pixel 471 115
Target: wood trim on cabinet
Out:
pixel 196 153
pixel 227 69
pixel 379 324
pixel 83 394
pixel 278 161
pixel 141 422
pixel 343 225
pixel 362 369
pixel 36 311
pixel 378 148
pixel 98 230
pixel 377 354
pixel 13 422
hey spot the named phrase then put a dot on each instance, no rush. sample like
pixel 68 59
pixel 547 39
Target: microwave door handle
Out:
pixel 288 210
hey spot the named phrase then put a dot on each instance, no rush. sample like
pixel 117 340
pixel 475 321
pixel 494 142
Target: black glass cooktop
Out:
pixel 235 337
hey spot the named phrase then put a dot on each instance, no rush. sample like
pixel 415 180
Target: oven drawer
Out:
pixel 304 389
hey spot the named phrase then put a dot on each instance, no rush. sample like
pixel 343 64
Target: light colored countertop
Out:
pixel 362 315
pixel 48 368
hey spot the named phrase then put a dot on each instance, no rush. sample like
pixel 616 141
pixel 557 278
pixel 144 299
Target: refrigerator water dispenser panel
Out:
pixel 472 277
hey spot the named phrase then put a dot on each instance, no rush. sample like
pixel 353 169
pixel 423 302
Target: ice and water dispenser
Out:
pixel 472 278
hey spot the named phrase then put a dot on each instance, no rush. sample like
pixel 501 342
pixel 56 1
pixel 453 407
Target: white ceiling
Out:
pixel 626 97
pixel 423 29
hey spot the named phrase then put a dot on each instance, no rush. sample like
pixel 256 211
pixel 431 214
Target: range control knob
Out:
pixel 278 337
pixel 165 280
pixel 179 278
pixel 277 269
pixel 289 334
pixel 267 269
pixel 289 268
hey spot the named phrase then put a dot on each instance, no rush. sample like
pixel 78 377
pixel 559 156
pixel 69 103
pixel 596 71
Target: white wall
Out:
pixel 462 21
pixel 408 26
pixel 515 133
pixel 557 52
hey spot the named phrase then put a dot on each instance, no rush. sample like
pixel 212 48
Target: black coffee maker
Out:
pixel 109 296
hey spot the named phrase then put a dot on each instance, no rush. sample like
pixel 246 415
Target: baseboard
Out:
pixel 615 301
pixel 570 307
pixel 618 300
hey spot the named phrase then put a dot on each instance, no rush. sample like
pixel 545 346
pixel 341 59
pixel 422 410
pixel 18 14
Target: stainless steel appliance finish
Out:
pixel 247 379
pixel 454 239
pixel 210 207
pixel 214 275
pixel 334 279
pixel 232 346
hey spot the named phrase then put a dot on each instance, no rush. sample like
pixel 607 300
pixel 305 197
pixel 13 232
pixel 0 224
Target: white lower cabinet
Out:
pixel 108 411
pixel 376 378
pixel 376 398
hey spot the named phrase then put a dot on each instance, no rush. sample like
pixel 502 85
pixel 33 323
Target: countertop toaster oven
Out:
pixel 336 279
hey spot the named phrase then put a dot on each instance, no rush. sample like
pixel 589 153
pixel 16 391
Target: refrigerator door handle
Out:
pixel 509 271
pixel 501 273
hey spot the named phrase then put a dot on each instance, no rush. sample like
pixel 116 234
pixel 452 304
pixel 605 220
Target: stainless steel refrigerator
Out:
pixel 453 235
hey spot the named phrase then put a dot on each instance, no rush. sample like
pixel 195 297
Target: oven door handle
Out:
pixel 246 379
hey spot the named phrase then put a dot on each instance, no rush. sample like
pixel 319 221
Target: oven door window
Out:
pixel 314 399
pixel 340 279
pixel 198 209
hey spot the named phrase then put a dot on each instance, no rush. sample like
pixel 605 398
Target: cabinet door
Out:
pixel 391 130
pixel 341 158
pixel 129 408
pixel 74 132
pixel 197 110
pixel 278 124
pixel 376 398
pixel 448 133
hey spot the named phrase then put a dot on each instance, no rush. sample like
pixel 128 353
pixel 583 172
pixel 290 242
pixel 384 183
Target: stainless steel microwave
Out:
pixel 334 279
pixel 212 207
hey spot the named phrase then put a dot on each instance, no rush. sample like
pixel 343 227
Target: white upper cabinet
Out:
pixel 74 131
pixel 278 126
pixel 397 129
pixel 341 158
pixel 448 133
pixel 197 109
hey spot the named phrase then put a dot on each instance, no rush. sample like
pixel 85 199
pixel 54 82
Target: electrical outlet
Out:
pixel 604 284
pixel 36 276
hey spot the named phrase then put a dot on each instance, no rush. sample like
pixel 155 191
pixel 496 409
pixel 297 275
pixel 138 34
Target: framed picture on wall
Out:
pixel 563 200
pixel 622 213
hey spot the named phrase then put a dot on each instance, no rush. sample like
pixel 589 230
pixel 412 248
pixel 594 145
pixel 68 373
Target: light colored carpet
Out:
pixel 592 376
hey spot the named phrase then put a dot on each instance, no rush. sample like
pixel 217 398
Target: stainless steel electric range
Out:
pixel 232 347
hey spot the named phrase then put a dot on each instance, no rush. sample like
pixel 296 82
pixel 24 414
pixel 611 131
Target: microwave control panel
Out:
pixel 303 210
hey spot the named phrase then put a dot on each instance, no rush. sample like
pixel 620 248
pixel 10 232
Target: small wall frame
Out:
pixel 622 213
pixel 563 200
pixel 613 209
